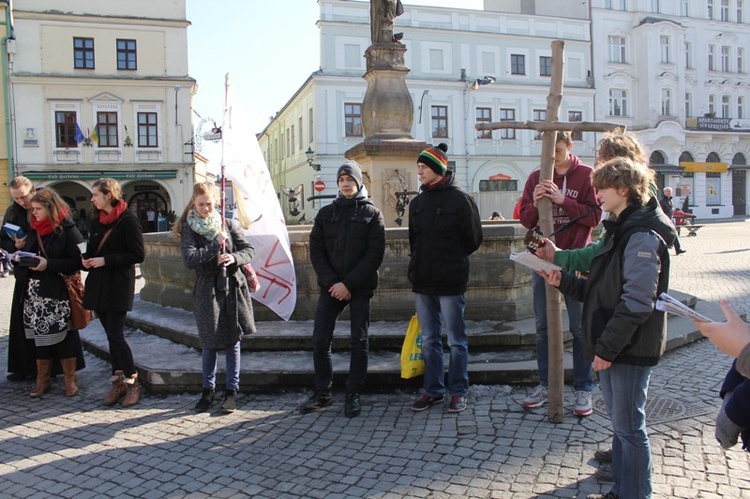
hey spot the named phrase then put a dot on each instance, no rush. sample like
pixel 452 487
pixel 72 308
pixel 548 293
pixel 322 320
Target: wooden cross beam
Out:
pixel 549 128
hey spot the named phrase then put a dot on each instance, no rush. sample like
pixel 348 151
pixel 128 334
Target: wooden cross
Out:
pixel 550 127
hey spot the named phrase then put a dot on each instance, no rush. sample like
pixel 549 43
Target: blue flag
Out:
pixel 79 134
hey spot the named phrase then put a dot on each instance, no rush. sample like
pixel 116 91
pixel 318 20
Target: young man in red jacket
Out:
pixel 572 196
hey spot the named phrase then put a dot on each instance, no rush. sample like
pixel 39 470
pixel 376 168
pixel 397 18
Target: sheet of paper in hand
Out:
pixel 533 262
pixel 666 303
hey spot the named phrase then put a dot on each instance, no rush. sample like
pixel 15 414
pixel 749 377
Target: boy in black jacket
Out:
pixel 347 244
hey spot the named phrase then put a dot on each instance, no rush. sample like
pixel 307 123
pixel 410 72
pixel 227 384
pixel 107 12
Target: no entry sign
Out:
pixel 320 185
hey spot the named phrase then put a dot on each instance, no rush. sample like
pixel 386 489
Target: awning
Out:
pixel 664 169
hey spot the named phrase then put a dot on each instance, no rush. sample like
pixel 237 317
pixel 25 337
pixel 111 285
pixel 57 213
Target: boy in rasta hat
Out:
pixel 444 229
pixel 347 243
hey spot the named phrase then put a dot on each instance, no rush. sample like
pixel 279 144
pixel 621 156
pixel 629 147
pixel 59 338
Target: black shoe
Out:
pixel 603 456
pixel 458 404
pixel 206 399
pixel 229 405
pixel 17 377
pixel 426 401
pixel 604 473
pixel 352 407
pixel 318 402
pixel 680 251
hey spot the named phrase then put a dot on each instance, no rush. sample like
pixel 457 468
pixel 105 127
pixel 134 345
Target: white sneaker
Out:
pixel 537 398
pixel 583 405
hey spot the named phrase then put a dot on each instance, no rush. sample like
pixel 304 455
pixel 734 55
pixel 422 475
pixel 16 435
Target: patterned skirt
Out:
pixel 45 320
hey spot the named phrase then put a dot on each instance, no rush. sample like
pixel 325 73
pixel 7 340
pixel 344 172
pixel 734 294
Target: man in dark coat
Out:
pixel 444 229
pixel 21 356
pixel 668 208
pixel 347 244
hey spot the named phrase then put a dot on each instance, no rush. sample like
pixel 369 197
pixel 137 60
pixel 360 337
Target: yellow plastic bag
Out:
pixel 412 361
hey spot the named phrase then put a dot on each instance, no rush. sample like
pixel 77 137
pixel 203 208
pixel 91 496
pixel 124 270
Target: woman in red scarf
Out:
pixel 54 240
pixel 115 247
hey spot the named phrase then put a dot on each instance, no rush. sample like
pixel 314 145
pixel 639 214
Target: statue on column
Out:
pixel 382 16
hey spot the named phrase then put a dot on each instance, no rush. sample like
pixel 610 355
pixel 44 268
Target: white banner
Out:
pixel 245 167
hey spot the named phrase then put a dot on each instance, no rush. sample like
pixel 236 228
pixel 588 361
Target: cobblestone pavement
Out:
pixel 72 447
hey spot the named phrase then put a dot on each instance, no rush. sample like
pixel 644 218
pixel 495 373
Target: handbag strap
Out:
pixel 41 245
pixel 106 235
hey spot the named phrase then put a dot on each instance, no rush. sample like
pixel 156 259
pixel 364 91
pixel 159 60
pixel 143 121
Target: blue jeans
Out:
pixel 432 311
pixel 326 313
pixel 625 388
pixel 582 370
pixel 210 356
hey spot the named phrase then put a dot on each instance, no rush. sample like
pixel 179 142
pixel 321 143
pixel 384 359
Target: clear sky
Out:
pixel 269 47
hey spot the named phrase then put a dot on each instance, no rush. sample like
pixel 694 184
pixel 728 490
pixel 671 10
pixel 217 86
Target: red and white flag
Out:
pixel 255 195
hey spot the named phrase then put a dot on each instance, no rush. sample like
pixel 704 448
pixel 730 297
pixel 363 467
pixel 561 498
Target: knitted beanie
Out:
pixel 352 169
pixel 435 158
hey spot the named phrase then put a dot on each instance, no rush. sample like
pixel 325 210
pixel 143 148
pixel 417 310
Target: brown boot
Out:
pixel 43 379
pixel 133 394
pixel 69 376
pixel 117 391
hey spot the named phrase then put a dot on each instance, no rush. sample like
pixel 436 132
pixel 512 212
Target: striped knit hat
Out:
pixel 435 158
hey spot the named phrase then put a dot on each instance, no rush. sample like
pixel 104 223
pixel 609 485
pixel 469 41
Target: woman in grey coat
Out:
pixel 222 306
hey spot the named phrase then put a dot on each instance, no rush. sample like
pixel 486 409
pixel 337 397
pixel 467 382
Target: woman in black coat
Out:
pixel 116 245
pixel 53 239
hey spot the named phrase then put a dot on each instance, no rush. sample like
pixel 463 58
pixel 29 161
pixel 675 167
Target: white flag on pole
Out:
pixel 246 168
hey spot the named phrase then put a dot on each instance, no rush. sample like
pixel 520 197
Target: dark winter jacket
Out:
pixel 347 243
pixel 111 288
pixel 63 257
pixel 222 317
pixel 619 321
pixel 580 197
pixel 444 229
pixel 17 216
pixel 666 205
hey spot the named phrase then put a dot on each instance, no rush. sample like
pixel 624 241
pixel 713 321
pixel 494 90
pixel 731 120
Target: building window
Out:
pixel 712 105
pixel 83 53
pixel 498 185
pixel 655 6
pixel 711 58
pixel 740 9
pixel 300 140
pixel 126 54
pixel 713 189
pixel 310 135
pixel 725 10
pixel 290 140
pixel 440 122
pixel 725 106
pixel 664 44
pixel 616 4
pixel 725 55
pixel 740 60
pixel 545 66
pixel 507 115
pixel 618 102
pixel 106 128
pixel 539 115
pixel 666 102
pixel 616 49
pixel 148 130
pixel 352 120
pixel 688 55
pixel 684 8
pixel 517 64
pixel 575 116
pixel 65 129
pixel 710 7
pixel 740 108
pixel 484 115
pixel 688 105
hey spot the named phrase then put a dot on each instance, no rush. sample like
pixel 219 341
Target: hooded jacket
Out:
pixel 444 229
pixel 580 197
pixel 619 321
pixel 347 243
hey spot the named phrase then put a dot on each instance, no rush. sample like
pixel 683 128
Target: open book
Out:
pixel 533 262
pixel 666 303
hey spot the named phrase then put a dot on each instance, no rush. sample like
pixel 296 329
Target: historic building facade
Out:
pixel 101 89
pixel 687 100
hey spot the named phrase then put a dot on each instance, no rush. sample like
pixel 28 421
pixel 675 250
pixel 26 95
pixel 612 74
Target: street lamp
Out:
pixel 310 155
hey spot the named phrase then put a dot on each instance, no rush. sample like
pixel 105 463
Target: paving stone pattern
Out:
pixel 73 447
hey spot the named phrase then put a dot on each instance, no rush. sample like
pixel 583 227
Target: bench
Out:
pixel 692 229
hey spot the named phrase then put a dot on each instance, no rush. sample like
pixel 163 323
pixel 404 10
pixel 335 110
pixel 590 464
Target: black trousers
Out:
pixel 328 310
pixel 21 352
pixel 119 350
